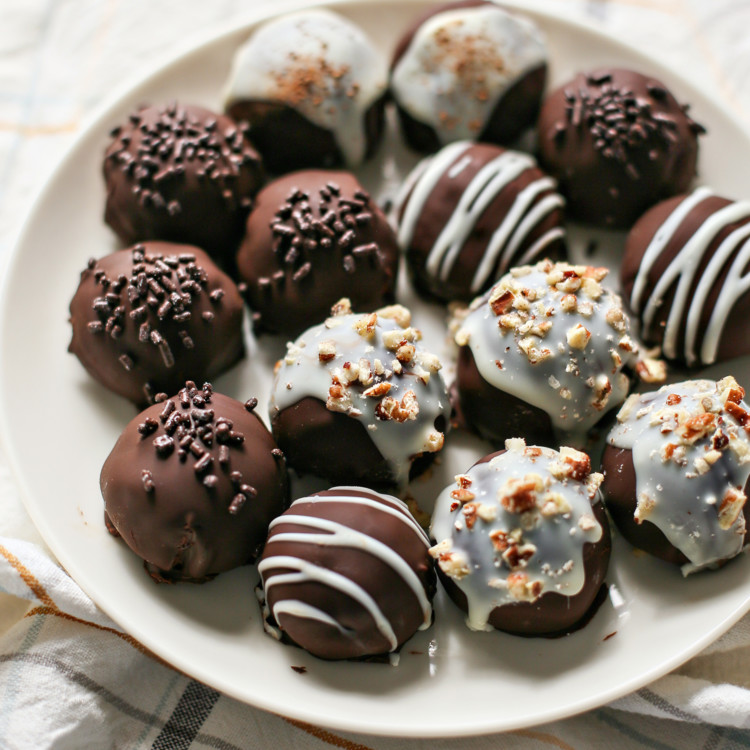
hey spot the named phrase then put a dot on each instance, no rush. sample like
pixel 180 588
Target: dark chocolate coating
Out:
pixel 733 339
pixel 624 147
pixel 515 111
pixel 359 636
pixel 438 210
pixel 313 238
pixel 181 173
pixel 305 144
pixel 138 340
pixel 193 498
pixel 335 446
pixel 494 414
pixel 619 490
pixel 552 614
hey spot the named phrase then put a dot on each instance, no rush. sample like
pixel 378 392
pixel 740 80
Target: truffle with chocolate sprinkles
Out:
pixel 314 237
pixel 618 142
pixel 193 483
pixel 147 318
pixel 181 173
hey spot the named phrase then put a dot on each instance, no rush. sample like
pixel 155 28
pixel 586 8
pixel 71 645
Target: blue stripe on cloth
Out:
pixel 191 711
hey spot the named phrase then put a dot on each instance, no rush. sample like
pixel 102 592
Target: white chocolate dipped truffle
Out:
pixel 542 354
pixel 358 397
pixel 522 541
pixel 469 70
pixel 679 460
pixel 325 69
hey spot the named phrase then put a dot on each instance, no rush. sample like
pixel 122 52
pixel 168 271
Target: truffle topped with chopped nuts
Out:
pixel 677 466
pixel 147 318
pixel 193 483
pixel 313 237
pixel 358 399
pixel 522 542
pixel 542 354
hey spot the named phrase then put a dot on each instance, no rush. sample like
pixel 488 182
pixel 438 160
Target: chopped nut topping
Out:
pixel 730 507
pixel 339 398
pixel 326 350
pixel 429 361
pixel 644 507
pixel 405 353
pixel 453 564
pixel 587 522
pixel 572 464
pixel 501 300
pixel 391 408
pixel 365 372
pixel 698 426
pixel 434 442
pixel 553 504
pixel 398 313
pixel 519 495
pixel 616 319
pixel 350 372
pixel 365 325
pixel 499 540
pixel 569 303
pixel 462 495
pixel 515 444
pixel 487 513
pixel 578 336
pixel 470 513
pixel 342 307
pixel 378 390
pixel 591 288
pixel 651 370
pixel 522 589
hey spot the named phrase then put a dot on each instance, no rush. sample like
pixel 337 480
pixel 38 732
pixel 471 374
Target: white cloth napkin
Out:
pixel 69 677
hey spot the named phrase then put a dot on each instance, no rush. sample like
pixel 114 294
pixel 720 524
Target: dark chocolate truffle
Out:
pixel 468 70
pixel 677 469
pixel 522 541
pixel 618 142
pixel 542 355
pixel 357 399
pixel 314 237
pixel 346 574
pixel 685 275
pixel 181 173
pixel 472 211
pixel 193 483
pixel 148 318
pixel 312 86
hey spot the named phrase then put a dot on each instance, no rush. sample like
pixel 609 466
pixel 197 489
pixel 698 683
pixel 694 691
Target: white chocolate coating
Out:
pixel 460 64
pixel 692 461
pixel 686 309
pixel 525 213
pixel 550 335
pixel 371 368
pixel 320 531
pixel 319 64
pixel 500 547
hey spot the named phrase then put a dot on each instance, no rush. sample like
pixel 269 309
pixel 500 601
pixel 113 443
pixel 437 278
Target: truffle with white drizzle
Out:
pixel 357 398
pixel 346 574
pixel 542 355
pixel 522 542
pixel 312 86
pixel 685 274
pixel 468 70
pixel 676 470
pixel 470 212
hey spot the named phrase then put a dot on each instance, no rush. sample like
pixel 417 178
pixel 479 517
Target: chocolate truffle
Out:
pixel 542 355
pixel 523 543
pixel 618 142
pixel 676 471
pixel 346 574
pixel 469 213
pixel 313 87
pixel 468 70
pixel 314 237
pixel 183 174
pixel 357 399
pixel 150 317
pixel 684 274
pixel 193 483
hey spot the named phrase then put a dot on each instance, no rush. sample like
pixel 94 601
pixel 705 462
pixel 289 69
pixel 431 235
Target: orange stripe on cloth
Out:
pixel 549 739
pixel 27 577
pixel 325 736
pixel 137 645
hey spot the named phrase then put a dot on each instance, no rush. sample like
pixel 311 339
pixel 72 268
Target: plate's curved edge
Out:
pixel 94 122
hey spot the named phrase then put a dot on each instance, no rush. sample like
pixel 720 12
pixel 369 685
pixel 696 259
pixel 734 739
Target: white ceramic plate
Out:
pixel 59 426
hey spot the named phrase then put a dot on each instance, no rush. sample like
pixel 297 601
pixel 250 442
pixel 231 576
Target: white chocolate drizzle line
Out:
pixel 682 270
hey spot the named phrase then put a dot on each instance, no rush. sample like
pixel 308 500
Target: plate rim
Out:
pixel 93 123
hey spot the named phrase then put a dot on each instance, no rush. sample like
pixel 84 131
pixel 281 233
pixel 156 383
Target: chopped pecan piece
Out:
pixel 730 507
